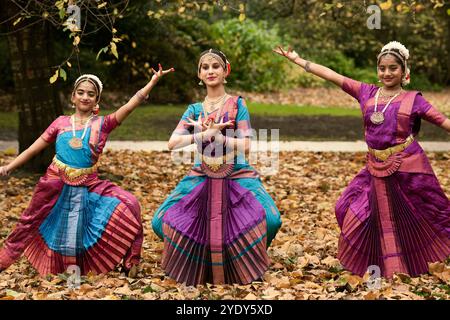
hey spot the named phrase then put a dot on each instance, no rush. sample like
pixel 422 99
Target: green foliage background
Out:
pixel 333 33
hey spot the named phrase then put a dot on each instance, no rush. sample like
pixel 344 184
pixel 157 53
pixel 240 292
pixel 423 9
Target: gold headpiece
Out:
pixel 212 55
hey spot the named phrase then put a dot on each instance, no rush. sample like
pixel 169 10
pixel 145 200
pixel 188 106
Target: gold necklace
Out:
pixel 208 100
pixel 383 94
pixel 377 117
pixel 211 104
pixel 77 143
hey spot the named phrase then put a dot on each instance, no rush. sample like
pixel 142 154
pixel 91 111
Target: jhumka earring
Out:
pixel 225 80
pixel 200 83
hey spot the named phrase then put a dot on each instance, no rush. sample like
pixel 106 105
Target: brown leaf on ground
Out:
pixel 304 264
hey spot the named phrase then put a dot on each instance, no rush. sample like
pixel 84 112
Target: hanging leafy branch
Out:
pixel 68 16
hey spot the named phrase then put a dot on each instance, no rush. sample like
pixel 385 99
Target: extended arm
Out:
pixel 446 125
pixel 141 95
pixel 39 145
pixel 314 68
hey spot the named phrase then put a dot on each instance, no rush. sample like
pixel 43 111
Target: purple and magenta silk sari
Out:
pixel 394 214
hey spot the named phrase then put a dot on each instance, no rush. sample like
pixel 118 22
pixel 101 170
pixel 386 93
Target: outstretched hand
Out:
pixel 199 124
pixel 290 54
pixel 4 171
pixel 219 126
pixel 158 74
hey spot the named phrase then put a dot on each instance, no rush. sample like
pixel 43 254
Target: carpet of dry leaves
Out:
pixel 304 264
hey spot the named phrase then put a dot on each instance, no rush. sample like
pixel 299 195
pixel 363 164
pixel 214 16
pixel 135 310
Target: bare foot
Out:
pixel 132 273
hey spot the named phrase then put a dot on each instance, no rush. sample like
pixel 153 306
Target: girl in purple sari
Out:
pixel 219 220
pixel 394 214
pixel 74 218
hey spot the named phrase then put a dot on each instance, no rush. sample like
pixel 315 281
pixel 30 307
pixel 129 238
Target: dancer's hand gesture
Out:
pixel 214 128
pixel 4 171
pixel 220 125
pixel 200 125
pixel 290 54
pixel 158 74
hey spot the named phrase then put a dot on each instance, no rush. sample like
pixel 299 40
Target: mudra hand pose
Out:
pixel 75 218
pixel 219 220
pixel 394 214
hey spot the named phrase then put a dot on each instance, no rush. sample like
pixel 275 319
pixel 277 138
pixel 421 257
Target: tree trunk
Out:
pixel 37 100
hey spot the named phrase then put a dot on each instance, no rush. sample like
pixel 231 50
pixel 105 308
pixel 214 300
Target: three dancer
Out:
pixel 218 222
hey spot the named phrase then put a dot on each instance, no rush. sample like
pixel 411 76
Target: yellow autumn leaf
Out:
pixel 101 5
pixel 59 4
pixel 114 50
pixel 76 41
pixel 69 64
pixel 386 5
pixel 54 77
pixel 242 17
pixel 17 21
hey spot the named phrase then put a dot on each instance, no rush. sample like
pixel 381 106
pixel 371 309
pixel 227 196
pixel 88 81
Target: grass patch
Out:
pixel 295 122
pixel 9 120
pixel 260 109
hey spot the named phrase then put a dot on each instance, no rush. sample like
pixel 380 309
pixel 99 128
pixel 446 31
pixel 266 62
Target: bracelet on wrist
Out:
pixel 308 66
pixel 141 96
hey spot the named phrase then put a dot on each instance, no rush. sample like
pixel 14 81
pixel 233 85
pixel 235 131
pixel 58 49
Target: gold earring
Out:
pixel 225 80
pixel 200 83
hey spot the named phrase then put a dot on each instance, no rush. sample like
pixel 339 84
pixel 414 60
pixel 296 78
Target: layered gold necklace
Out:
pixel 209 106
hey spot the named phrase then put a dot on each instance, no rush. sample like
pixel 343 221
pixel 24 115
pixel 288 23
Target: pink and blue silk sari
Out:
pixel 86 222
pixel 217 225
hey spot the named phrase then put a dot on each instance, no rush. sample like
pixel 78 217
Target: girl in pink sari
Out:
pixel 394 214
pixel 74 218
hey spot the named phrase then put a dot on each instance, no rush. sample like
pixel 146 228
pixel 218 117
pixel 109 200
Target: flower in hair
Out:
pixel 93 77
pixel 397 45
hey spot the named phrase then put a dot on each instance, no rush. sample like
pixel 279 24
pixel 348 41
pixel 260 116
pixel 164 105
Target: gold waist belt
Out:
pixel 73 173
pixel 384 154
